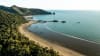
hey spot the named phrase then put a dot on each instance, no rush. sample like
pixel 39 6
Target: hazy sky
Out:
pixel 55 4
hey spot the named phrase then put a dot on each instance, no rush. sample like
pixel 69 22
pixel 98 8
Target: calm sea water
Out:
pixel 81 24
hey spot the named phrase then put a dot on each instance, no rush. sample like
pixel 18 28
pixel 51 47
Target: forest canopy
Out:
pixel 12 43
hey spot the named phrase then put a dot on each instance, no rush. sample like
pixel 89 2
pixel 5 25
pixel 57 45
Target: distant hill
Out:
pixel 8 9
pixel 12 43
pixel 24 11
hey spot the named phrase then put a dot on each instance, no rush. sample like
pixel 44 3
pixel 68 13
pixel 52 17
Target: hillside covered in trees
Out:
pixel 24 11
pixel 12 43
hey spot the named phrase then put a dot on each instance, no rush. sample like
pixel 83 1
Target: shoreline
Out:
pixel 72 36
pixel 81 46
pixel 62 51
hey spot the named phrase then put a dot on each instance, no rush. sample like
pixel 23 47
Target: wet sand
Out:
pixel 62 51
pixel 85 47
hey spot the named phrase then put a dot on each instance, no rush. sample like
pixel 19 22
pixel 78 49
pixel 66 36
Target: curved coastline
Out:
pixel 82 46
pixel 72 36
pixel 62 51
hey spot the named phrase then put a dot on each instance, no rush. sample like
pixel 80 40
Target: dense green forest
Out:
pixel 12 43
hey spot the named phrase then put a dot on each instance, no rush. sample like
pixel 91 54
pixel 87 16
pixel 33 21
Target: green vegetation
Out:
pixel 29 11
pixel 24 11
pixel 12 43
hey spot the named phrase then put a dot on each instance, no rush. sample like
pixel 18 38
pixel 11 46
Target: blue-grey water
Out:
pixel 81 24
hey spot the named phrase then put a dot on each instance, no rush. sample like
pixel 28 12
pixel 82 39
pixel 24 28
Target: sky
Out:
pixel 55 4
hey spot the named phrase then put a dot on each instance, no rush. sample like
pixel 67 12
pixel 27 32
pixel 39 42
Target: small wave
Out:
pixel 71 36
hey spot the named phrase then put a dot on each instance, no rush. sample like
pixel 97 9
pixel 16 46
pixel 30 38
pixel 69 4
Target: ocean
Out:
pixel 83 25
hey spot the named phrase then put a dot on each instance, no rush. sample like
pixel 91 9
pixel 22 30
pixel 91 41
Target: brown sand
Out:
pixel 62 51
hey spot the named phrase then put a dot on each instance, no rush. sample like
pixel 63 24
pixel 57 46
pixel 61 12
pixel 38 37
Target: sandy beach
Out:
pixel 62 51
pixel 82 46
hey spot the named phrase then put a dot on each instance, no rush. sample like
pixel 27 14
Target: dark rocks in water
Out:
pixel 54 21
pixel 53 13
pixel 63 21
pixel 44 21
pixel 41 21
